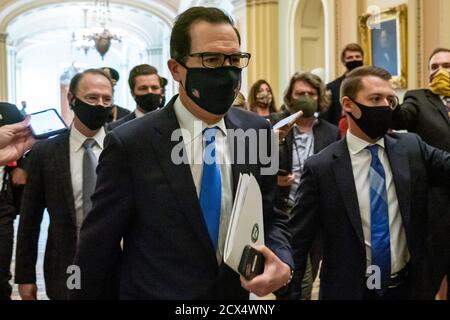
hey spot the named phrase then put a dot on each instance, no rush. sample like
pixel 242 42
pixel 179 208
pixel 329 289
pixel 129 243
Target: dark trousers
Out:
pixel 402 292
pixel 7 216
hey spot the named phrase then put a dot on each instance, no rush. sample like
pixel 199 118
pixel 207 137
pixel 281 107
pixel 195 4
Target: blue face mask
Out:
pixel 213 89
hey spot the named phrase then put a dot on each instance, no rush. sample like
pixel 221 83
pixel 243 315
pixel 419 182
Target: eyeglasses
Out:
pixel 216 60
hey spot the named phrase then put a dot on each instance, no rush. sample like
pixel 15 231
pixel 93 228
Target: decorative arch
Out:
pixel 296 14
pixel 13 9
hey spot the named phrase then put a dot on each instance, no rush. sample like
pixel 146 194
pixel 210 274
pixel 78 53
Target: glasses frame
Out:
pixel 225 57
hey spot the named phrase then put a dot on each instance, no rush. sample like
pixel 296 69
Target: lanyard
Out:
pixel 308 151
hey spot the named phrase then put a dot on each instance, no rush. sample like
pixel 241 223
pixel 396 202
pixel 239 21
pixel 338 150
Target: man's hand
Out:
pixel 283 132
pixel 18 177
pixel 286 181
pixel 276 275
pixel 28 291
pixel 15 140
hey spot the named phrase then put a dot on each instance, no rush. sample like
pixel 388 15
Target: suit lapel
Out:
pixel 437 102
pixel 400 171
pixel 62 156
pixel 343 172
pixel 318 138
pixel 235 167
pixel 180 176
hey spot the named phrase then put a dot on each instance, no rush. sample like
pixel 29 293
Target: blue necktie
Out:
pixel 381 248
pixel 211 187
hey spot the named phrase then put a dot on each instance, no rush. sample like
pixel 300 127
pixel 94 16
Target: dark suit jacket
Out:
pixel 115 124
pixel 423 112
pixel 334 113
pixel 324 134
pixel 49 186
pixel 120 113
pixel 327 201
pixel 142 196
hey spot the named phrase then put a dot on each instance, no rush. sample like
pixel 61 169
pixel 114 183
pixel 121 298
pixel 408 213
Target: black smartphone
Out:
pixel 282 172
pixel 252 263
pixel 47 123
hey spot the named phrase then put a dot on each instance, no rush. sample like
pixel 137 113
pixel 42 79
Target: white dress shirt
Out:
pixel 361 159
pixel 2 172
pixel 138 113
pixel 193 141
pixel 76 141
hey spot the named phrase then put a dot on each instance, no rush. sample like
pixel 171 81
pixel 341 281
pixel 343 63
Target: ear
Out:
pixel 175 69
pixel 346 104
pixel 70 97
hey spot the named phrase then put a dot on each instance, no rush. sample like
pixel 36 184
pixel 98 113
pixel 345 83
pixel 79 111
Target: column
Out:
pixel 263 44
pixel 11 74
pixel 3 68
pixel 240 21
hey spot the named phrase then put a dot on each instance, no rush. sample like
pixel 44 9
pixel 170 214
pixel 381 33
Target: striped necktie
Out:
pixel 379 224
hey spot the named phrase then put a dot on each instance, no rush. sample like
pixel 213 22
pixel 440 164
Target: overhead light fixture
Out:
pixel 99 37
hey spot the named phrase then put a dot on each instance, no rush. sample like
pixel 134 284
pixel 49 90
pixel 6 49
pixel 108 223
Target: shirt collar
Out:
pixel 356 145
pixel 192 124
pixel 138 113
pixel 77 138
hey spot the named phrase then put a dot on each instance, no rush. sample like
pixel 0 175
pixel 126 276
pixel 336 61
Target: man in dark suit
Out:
pixel 352 57
pixel 367 194
pixel 9 114
pixel 146 89
pixel 171 210
pixel 427 113
pixel 61 178
pixel 309 135
pixel 117 112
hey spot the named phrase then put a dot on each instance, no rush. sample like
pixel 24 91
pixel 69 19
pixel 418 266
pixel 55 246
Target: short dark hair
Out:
pixel 73 86
pixel 114 74
pixel 351 47
pixel 180 39
pixel 352 84
pixel 315 82
pixel 435 52
pixel 141 70
pixel 254 91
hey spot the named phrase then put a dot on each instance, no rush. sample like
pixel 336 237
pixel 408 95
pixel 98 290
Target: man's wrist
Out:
pixel 291 275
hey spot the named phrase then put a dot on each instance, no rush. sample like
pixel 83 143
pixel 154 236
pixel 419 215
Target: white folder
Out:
pixel 246 223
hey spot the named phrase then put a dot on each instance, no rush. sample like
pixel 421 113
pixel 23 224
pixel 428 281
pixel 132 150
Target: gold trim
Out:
pixel 337 39
pixel 251 3
pixel 3 37
pixel 420 52
pixel 399 13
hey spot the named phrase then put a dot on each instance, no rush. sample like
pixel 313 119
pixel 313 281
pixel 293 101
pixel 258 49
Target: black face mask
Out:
pixel 213 89
pixel 374 121
pixel 148 102
pixel 93 117
pixel 352 65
